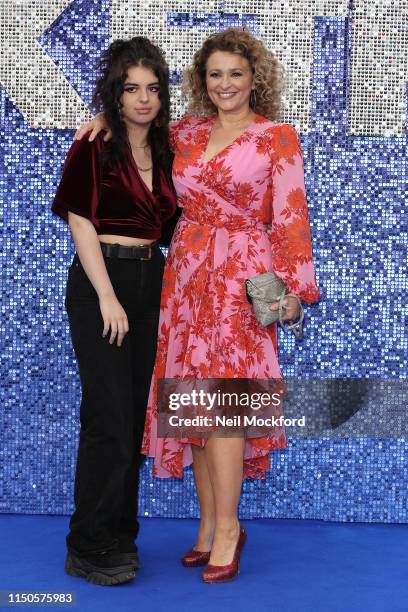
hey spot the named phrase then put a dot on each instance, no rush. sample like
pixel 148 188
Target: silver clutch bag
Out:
pixel 266 288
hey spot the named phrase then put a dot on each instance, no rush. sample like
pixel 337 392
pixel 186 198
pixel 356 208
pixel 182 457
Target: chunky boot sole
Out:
pixel 107 577
pixel 134 560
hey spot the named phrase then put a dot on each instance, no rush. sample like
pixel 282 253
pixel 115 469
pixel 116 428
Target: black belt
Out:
pixel 141 251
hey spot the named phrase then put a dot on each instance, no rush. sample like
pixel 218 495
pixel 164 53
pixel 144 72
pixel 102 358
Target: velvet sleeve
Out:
pixel 80 184
pixel 290 236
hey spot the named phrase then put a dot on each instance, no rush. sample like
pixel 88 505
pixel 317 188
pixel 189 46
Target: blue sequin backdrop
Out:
pixel 355 187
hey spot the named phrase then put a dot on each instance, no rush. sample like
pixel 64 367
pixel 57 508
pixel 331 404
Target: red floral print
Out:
pixel 244 213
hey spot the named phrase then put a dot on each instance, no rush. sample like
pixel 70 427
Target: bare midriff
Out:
pixel 124 240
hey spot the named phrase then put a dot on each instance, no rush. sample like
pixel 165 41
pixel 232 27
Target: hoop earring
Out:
pixel 252 98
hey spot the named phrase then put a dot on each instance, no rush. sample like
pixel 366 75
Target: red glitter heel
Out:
pixel 195 558
pixel 223 573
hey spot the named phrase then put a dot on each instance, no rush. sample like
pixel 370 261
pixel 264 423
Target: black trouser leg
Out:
pixel 143 354
pixel 115 383
pixel 105 442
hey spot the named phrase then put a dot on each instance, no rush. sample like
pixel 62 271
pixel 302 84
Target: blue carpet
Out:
pixel 290 565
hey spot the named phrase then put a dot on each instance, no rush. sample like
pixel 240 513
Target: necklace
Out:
pixel 137 165
pixel 143 147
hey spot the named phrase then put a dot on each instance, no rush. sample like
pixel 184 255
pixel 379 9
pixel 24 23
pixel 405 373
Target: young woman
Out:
pixel 237 171
pixel 115 197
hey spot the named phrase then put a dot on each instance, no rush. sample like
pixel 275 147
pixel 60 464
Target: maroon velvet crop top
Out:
pixel 117 201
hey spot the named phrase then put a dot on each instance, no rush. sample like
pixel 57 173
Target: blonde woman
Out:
pixel 236 170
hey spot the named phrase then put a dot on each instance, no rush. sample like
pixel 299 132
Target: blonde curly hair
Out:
pixel 268 73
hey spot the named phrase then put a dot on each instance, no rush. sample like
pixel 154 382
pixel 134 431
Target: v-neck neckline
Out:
pixel 228 146
pixel 145 185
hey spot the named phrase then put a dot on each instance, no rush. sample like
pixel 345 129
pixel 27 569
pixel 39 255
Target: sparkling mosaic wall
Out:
pixel 347 73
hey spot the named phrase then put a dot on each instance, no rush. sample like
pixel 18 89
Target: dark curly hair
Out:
pixel 114 65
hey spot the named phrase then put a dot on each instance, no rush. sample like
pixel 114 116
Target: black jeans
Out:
pixel 115 385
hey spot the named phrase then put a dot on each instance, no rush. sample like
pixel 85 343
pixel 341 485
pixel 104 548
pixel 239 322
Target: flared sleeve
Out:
pixel 290 236
pixel 80 184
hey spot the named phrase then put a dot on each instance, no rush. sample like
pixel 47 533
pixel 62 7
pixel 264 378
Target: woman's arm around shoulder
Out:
pixel 176 127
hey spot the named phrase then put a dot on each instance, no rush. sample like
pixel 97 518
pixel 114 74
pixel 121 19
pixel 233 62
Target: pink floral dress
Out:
pixel 207 328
